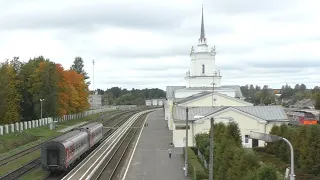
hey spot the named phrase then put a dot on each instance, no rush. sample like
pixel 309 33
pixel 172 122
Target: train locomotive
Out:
pixel 62 152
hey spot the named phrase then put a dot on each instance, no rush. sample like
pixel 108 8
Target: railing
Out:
pixel 203 160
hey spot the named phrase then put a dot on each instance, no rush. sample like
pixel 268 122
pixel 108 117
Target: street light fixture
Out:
pixel 186 149
pixel 274 138
pixel 41 106
pixel 211 140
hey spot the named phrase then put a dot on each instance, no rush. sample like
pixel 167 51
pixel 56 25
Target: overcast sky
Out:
pixel 146 43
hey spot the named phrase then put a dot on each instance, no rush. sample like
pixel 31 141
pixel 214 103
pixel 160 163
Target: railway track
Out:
pixel 24 152
pixel 88 167
pixel 22 170
pixel 108 168
pixel 113 127
pixel 37 162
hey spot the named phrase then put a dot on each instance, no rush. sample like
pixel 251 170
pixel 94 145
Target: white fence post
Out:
pixel 17 126
pixel 21 126
pixel 6 126
pixel 1 130
pixel 12 127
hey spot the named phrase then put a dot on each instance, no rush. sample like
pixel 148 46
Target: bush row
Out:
pixel 195 168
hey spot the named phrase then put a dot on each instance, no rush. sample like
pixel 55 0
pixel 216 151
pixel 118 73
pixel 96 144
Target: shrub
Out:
pixel 194 166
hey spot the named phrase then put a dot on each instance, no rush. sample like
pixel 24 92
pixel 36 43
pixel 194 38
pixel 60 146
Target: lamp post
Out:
pixel 41 107
pixel 274 138
pixel 211 141
pixel 186 150
pixel 187 128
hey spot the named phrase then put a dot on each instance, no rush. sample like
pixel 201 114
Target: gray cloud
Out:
pixel 171 50
pixel 296 63
pixel 246 6
pixel 92 16
pixel 160 64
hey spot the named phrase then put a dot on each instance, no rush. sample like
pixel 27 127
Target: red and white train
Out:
pixel 61 153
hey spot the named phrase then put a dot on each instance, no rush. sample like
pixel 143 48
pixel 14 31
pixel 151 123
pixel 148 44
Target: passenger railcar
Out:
pixel 60 153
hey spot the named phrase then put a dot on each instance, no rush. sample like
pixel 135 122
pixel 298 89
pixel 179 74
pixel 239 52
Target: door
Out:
pixel 255 143
pixel 53 157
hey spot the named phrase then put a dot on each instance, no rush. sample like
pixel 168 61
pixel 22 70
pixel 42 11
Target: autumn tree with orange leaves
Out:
pixel 23 84
pixel 73 92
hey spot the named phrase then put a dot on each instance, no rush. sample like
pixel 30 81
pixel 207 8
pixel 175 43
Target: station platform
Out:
pixel 150 160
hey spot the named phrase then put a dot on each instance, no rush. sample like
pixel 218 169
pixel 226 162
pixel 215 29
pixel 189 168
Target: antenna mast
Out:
pixel 93 76
pixel 213 89
pixel 93 91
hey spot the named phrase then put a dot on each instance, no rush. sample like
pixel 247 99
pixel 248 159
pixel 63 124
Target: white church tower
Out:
pixel 203 72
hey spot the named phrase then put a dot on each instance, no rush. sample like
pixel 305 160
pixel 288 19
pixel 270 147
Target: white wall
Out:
pixel 148 102
pixel 183 93
pixel 95 101
pixel 204 57
pixel 202 81
pixel 220 101
pixel 246 124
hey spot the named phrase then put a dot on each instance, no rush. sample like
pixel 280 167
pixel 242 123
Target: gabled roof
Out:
pixel 208 93
pixel 267 113
pixel 193 97
pixel 170 90
pixel 235 88
pixel 179 113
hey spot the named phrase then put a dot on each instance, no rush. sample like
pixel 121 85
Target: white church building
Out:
pixel 205 95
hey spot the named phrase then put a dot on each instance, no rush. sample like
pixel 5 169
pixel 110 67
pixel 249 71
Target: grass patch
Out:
pixel 88 118
pixel 14 142
pixel 36 174
pixel 281 166
pixel 19 162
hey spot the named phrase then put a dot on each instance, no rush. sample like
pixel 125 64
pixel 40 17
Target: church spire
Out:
pixel 202 39
pixel 202 35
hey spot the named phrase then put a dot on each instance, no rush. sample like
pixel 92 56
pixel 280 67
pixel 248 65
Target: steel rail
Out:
pixel 111 164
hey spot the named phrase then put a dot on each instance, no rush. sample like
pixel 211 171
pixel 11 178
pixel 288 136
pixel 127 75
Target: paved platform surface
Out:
pixel 151 160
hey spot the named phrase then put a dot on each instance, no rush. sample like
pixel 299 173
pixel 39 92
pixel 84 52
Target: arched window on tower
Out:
pixel 203 69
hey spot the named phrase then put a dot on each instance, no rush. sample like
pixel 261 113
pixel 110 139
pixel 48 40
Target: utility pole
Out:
pixel 41 107
pixel 211 149
pixel 186 150
pixel 92 83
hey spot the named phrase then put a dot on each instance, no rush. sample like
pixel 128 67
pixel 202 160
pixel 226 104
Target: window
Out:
pixel 246 139
pixel 182 127
pixel 203 69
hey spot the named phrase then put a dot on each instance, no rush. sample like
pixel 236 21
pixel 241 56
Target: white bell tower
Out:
pixel 203 71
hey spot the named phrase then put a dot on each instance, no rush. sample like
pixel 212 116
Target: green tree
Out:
pixel 317 99
pixel 232 131
pixel 78 66
pixel 265 172
pixel 9 94
pixel 45 86
pixel 243 162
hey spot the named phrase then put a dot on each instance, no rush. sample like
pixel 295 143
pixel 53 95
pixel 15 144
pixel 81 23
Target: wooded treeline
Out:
pixel 231 160
pixel 23 84
pixel 266 95
pixel 118 96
